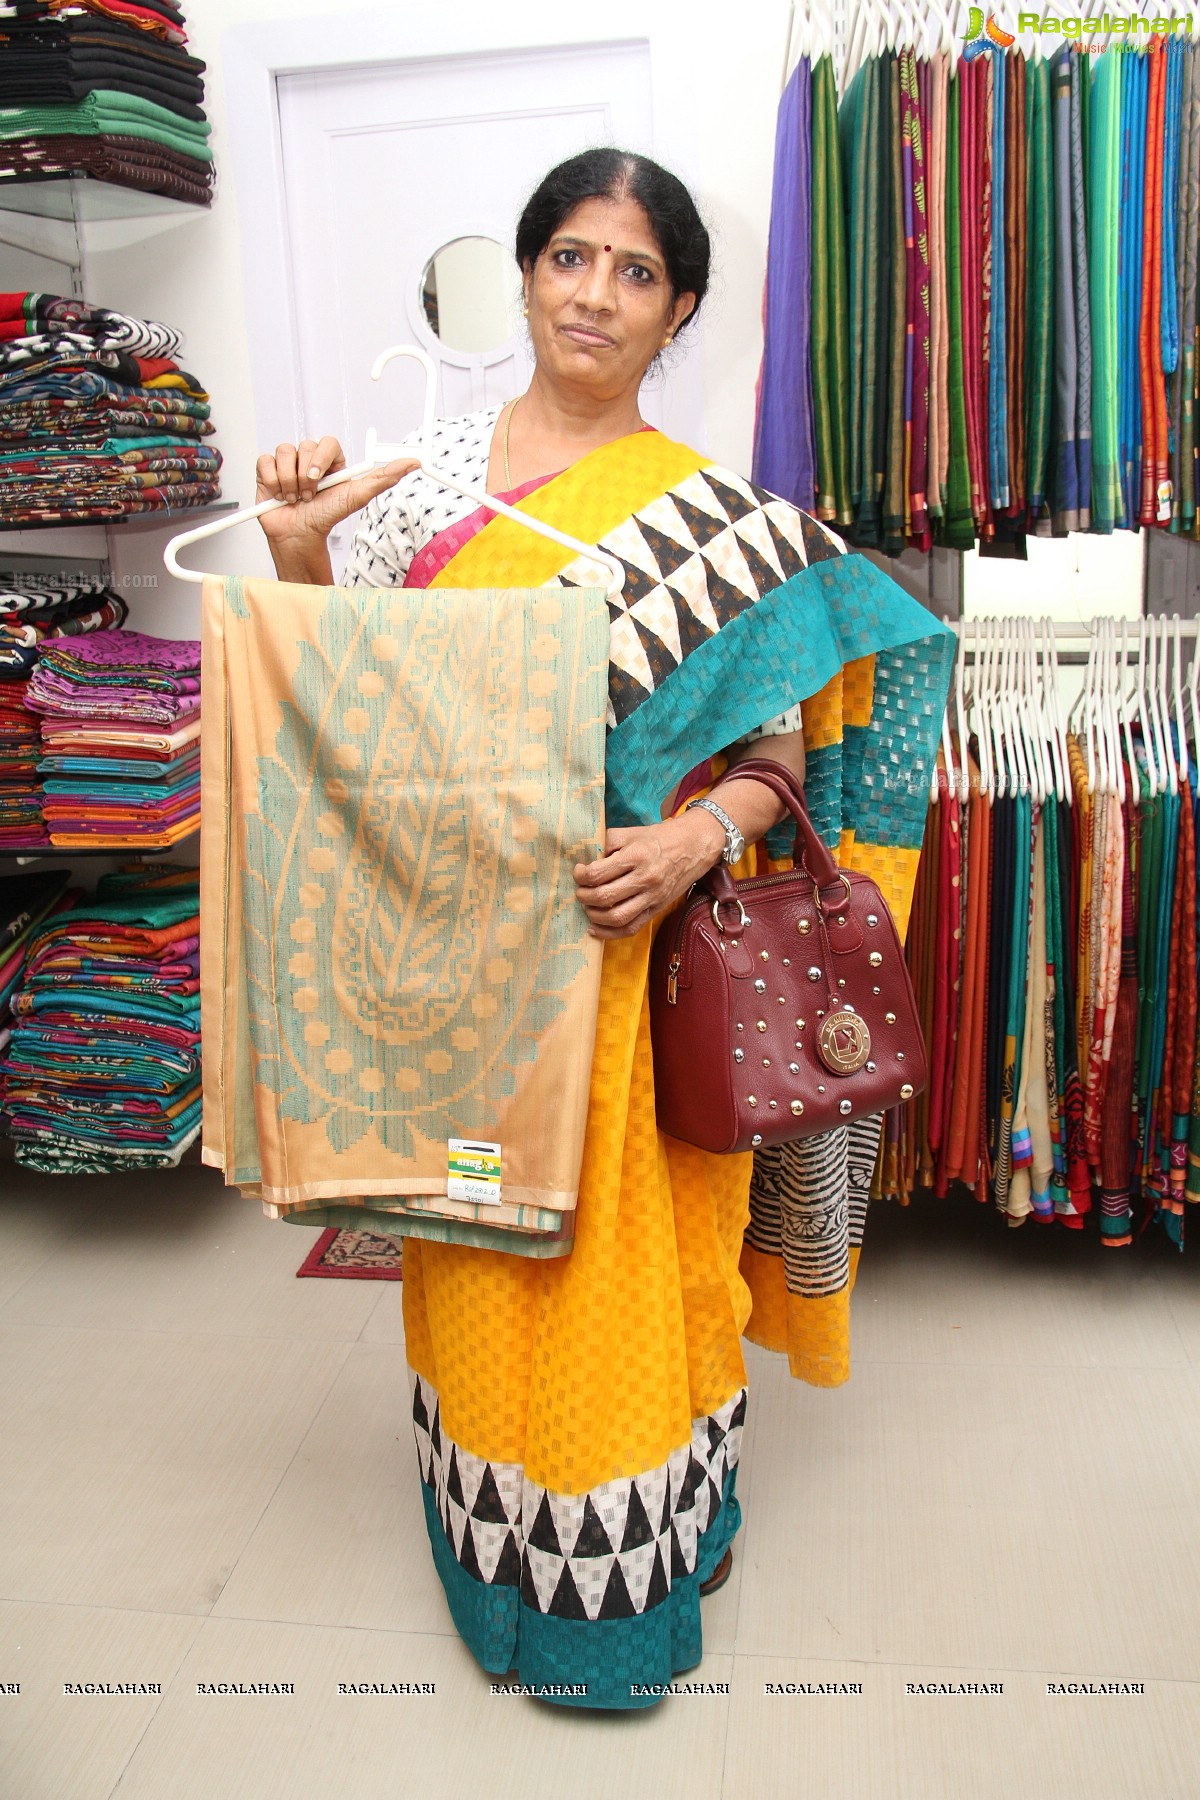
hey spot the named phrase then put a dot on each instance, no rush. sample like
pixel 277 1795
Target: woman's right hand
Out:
pixel 297 532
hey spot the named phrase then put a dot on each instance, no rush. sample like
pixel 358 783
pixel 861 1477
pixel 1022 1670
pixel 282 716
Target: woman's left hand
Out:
pixel 644 870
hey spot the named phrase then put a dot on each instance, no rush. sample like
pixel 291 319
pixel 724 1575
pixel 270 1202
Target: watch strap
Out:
pixel 735 843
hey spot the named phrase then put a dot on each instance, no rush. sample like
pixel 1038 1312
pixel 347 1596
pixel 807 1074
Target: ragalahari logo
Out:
pixel 979 25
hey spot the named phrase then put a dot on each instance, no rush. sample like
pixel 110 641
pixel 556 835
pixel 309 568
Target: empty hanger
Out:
pixel 376 454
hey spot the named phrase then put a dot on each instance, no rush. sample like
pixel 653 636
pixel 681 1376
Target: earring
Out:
pixel 527 311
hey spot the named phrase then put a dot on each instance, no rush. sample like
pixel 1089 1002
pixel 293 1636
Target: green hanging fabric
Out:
pixel 830 309
pixel 1039 290
pixel 1104 192
pixel 895 486
pixel 957 526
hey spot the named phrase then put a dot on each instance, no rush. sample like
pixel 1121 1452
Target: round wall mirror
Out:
pixel 470 294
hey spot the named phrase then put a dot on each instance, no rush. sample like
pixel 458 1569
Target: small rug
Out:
pixel 354 1255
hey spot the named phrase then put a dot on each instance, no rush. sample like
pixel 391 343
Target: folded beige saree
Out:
pixel 399 994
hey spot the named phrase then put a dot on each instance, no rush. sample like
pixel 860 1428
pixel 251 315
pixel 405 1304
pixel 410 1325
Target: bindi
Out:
pixel 608 247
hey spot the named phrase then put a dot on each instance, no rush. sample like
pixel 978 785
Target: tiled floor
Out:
pixel 206 1475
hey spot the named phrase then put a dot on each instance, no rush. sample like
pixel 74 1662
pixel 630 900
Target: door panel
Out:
pixel 385 165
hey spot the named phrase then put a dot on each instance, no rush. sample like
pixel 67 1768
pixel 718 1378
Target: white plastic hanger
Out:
pixel 376 454
pixel 1039 711
pixel 1194 697
pixel 960 709
pixel 1112 712
pixel 1048 697
pixel 1126 711
pixel 1057 710
pixel 1084 713
pixel 1158 699
pixel 1138 698
pixel 1180 727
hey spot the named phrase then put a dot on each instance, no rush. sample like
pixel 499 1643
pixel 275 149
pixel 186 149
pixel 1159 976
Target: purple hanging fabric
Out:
pixel 785 458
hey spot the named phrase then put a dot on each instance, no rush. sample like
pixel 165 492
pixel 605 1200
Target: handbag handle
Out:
pixel 814 856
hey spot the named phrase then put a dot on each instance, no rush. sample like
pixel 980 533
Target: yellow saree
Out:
pixel 578 1419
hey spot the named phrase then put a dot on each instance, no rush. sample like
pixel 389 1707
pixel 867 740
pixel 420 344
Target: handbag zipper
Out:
pixel 753 884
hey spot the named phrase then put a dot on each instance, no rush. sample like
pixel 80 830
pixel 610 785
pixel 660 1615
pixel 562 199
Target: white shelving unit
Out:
pixel 47 230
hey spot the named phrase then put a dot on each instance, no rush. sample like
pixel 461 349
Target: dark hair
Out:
pixel 607 174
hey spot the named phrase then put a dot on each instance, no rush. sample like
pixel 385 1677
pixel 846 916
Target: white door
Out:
pixel 384 166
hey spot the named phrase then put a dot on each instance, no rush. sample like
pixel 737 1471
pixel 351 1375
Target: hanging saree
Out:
pixel 957 523
pixel 785 458
pixel 831 344
pixel 1039 292
pixel 1107 510
pixel 371 1031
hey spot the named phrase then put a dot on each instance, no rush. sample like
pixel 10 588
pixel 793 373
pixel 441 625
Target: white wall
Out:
pixel 716 93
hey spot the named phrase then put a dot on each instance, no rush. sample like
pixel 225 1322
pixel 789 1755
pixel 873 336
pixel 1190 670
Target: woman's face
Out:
pixel 600 306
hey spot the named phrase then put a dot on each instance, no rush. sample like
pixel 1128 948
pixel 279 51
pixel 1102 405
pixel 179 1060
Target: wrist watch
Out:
pixel 735 843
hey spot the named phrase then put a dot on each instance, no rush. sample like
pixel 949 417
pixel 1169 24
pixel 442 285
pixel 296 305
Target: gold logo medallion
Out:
pixel 844 1043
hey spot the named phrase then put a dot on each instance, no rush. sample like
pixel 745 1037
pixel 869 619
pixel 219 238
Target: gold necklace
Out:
pixel 507 424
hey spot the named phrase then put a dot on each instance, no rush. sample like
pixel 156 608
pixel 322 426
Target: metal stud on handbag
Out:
pixel 780 1006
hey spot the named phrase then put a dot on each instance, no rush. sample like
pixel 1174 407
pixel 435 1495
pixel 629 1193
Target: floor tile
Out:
pixel 1023 1520
pixel 386 1323
pixel 1008 1746
pixel 137 1464
pixel 343 1541
pixel 188 1255
pixel 38 1215
pixel 460 1740
pixel 947 1281
pixel 54 1745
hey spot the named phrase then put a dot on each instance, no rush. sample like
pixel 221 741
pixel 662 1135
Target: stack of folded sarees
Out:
pixel 31 616
pixel 97 419
pixel 25 900
pixel 21 824
pixel 106 89
pixel 120 731
pixel 102 1072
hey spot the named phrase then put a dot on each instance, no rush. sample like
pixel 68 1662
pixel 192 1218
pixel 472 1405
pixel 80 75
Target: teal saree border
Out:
pixel 781 650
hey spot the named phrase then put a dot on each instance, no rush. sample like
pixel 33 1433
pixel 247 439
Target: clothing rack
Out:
pixel 1054 943
pixel 1070 630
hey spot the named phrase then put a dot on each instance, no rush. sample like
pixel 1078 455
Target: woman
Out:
pixel 579 1422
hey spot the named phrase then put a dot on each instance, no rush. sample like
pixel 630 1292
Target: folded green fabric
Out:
pixel 107 112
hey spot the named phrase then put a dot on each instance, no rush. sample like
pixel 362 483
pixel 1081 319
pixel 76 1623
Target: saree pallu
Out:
pixel 578 1420
pixel 398 981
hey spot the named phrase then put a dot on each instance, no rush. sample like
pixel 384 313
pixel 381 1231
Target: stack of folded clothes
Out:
pixel 120 735
pixel 25 900
pixel 30 614
pixel 103 88
pixel 21 824
pixel 102 1072
pixel 97 419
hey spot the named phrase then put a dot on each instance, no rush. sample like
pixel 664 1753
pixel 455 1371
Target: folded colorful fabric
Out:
pixel 113 156
pixel 102 1070
pixel 106 110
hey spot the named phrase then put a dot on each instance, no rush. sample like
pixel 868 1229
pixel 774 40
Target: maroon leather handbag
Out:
pixel 780 1006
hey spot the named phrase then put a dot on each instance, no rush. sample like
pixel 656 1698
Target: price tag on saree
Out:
pixel 474 1171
